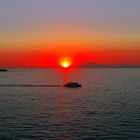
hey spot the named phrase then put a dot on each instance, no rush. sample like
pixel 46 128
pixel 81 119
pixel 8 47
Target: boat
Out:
pixel 72 85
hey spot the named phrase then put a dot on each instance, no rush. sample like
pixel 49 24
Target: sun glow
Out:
pixel 65 62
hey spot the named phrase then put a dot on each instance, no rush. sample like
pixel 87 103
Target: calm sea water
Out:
pixel 107 107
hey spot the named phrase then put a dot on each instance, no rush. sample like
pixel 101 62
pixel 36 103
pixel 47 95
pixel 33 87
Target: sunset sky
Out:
pixel 39 33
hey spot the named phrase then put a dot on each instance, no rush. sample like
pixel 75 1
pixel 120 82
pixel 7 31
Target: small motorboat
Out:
pixel 72 85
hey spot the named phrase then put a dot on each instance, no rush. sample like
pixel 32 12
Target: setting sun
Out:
pixel 65 62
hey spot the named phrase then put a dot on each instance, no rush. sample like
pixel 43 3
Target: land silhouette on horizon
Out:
pixel 94 65
pixel 3 70
pixel 83 65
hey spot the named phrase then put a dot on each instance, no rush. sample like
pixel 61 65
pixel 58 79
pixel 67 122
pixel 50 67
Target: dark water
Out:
pixel 107 107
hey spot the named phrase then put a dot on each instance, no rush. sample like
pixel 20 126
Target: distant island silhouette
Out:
pixel 94 65
pixel 83 65
pixel 3 70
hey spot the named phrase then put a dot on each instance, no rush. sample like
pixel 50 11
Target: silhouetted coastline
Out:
pixel 94 65
pixel 3 70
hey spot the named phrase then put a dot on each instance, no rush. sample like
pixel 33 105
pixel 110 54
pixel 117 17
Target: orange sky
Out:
pixel 51 58
pixel 82 30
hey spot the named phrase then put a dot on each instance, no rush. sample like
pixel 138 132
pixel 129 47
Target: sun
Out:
pixel 65 62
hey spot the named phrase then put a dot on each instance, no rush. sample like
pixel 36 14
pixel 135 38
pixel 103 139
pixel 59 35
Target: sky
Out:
pixel 37 33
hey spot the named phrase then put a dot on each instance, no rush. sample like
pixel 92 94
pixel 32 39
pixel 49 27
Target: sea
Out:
pixel 34 104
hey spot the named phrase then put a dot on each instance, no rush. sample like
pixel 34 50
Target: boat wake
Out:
pixel 15 85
